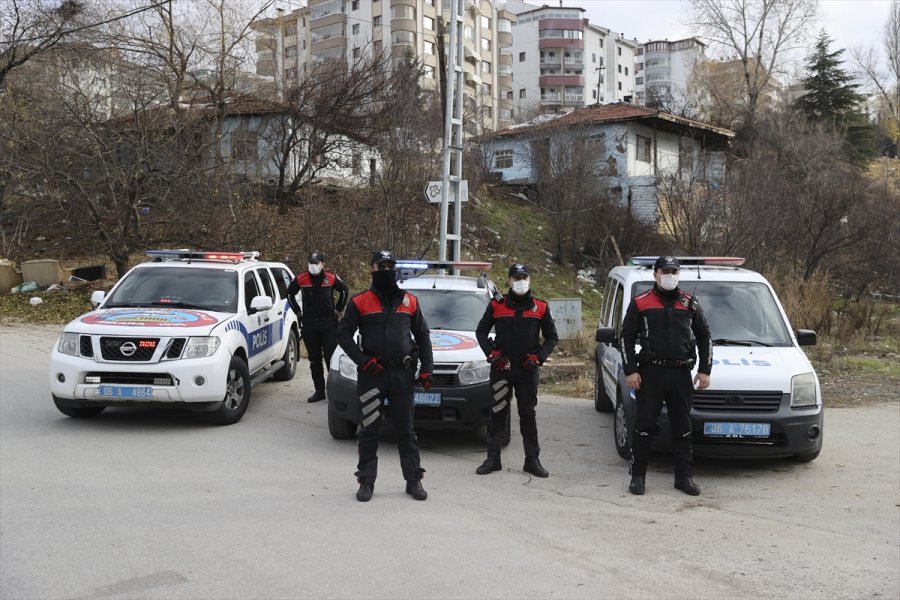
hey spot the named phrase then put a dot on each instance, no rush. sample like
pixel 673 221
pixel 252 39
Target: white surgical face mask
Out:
pixel 315 269
pixel 668 282
pixel 520 286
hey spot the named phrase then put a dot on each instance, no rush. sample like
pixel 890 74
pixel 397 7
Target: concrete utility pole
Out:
pixel 451 192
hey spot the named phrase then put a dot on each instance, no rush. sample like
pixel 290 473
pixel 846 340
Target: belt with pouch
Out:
pixel 663 362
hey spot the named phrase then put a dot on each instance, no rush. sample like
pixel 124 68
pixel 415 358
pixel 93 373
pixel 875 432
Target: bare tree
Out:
pixel 884 79
pixel 759 33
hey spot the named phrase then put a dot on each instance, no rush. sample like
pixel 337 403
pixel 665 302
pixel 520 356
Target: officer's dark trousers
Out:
pixel 397 384
pixel 320 339
pixel 503 384
pixel 673 386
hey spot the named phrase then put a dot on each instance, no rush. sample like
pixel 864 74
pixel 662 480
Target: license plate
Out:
pixel 427 399
pixel 737 430
pixel 126 391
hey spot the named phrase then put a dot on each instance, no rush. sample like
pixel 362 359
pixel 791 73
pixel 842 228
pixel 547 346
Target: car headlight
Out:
pixel 474 372
pixel 200 347
pixel 803 390
pixel 347 367
pixel 68 343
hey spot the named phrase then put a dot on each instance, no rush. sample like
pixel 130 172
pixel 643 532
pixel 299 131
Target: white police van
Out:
pixel 764 398
pixel 460 396
pixel 187 329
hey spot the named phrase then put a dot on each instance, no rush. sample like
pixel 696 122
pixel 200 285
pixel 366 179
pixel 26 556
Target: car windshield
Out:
pixel 738 313
pixel 208 289
pixel 452 309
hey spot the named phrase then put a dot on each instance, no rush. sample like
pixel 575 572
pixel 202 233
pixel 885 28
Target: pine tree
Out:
pixel 831 99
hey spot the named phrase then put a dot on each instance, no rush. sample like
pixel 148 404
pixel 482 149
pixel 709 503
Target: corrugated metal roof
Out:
pixel 608 113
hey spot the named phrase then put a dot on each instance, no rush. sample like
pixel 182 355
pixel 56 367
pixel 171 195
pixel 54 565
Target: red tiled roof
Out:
pixel 610 113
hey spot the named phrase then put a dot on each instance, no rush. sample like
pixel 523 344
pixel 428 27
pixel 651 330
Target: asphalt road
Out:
pixel 155 504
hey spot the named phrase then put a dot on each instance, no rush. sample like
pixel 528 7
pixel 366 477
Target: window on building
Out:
pixel 356 53
pixel 487 112
pixel 594 94
pixel 626 70
pixel 354 5
pixel 355 29
pixel 429 47
pixel 601 42
pixel 403 38
pixel 377 46
pixel 620 86
pixel 485 45
pixel 593 57
pixel 485 66
pixel 290 73
pixel 522 93
pixel 429 2
pixel 486 89
pixel 642 152
pixel 469 33
pixel 290 52
pixel 376 21
pixel 521 57
pixel 428 23
pixel 245 142
pixel 639 81
pixel 485 22
pixel 619 67
pixel 503 159
pixel 428 71
pixel 402 11
pixel 509 94
pixel 620 50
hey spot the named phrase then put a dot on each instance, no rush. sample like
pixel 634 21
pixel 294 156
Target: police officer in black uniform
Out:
pixel 672 330
pixel 318 315
pixel 395 337
pixel 515 355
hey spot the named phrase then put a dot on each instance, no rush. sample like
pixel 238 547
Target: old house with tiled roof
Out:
pixel 630 147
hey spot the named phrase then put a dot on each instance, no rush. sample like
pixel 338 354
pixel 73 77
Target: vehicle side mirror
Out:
pixel 260 303
pixel 97 298
pixel 605 335
pixel 806 337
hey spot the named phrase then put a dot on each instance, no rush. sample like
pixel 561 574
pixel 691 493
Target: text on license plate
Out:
pixel 427 399
pixel 737 430
pixel 126 391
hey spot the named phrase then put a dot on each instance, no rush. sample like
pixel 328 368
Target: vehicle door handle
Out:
pixel 280 312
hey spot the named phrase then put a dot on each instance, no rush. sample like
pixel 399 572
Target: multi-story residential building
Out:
pixel 560 60
pixel 664 71
pixel 354 29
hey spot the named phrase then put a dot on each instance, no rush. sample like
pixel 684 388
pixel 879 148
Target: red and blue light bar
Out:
pixel 201 255
pixel 722 261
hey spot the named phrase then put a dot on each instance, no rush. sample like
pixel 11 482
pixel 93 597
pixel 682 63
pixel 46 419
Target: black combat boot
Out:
pixel 415 489
pixel 364 493
pixel 489 466
pixel 317 395
pixel 637 485
pixel 534 466
pixel 687 486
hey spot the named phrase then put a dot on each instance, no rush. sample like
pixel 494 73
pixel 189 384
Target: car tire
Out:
pixel 806 456
pixel 602 402
pixel 340 428
pixel 622 429
pixel 77 412
pixel 237 394
pixel 286 372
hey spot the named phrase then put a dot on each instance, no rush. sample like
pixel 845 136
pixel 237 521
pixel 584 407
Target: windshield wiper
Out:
pixel 730 342
pixel 179 305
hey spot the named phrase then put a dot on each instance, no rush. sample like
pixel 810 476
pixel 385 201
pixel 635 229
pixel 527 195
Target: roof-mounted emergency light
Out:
pixel 198 255
pixel 723 261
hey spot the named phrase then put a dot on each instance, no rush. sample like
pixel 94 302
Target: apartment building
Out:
pixel 560 60
pixel 664 72
pixel 352 29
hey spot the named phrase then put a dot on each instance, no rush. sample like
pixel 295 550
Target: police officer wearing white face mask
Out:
pixel 318 315
pixel 516 352
pixel 672 331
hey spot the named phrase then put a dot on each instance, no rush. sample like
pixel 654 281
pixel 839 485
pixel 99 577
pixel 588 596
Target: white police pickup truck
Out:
pixel 187 329
pixel 764 398
pixel 460 396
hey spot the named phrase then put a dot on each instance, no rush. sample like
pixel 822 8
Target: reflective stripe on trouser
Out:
pixel 524 384
pixel 397 385
pixel 673 386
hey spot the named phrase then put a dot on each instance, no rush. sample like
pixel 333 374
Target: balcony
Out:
pixel 327 8
pixel 553 80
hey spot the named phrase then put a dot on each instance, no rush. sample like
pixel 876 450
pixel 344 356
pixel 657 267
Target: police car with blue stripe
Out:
pixel 195 330
pixel 764 398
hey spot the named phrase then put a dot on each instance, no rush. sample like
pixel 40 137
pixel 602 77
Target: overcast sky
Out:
pixel 849 22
